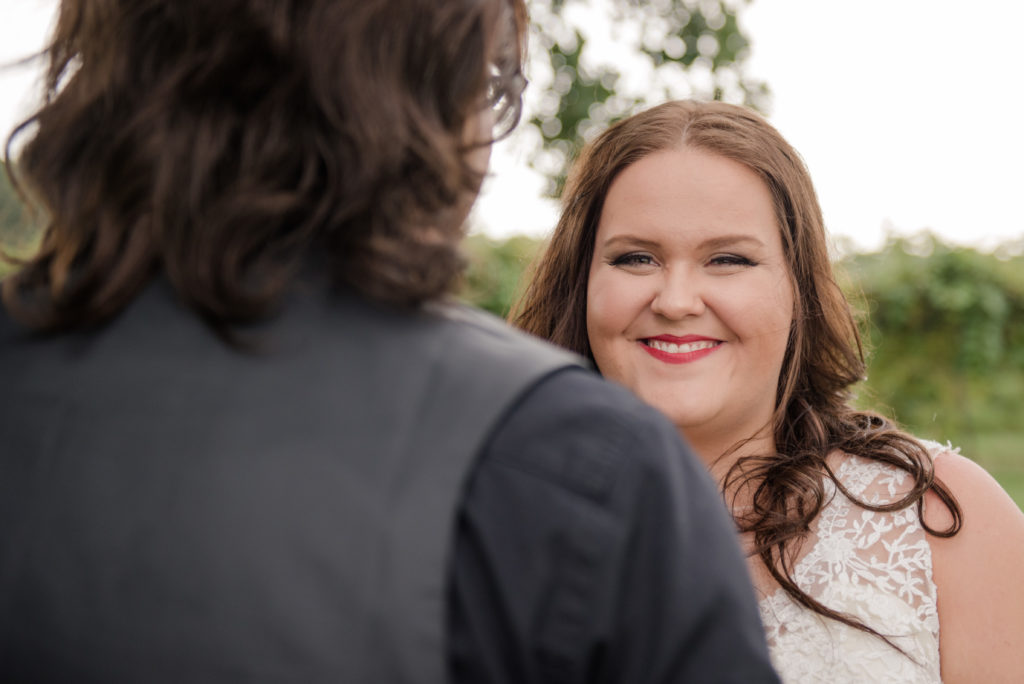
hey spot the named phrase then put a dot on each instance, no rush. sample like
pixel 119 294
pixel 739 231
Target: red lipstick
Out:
pixel 685 349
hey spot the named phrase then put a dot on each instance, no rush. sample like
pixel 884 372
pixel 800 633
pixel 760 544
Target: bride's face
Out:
pixel 690 300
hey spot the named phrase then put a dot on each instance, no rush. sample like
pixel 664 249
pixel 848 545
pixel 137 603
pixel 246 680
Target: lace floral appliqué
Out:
pixel 874 566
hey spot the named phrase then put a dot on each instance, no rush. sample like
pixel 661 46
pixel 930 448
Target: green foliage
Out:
pixel 946 332
pixel 495 270
pixel 692 48
pixel 18 234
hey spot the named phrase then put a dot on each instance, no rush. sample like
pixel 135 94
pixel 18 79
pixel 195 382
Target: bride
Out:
pixel 690 263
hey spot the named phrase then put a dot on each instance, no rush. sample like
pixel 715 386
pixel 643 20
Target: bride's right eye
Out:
pixel 633 259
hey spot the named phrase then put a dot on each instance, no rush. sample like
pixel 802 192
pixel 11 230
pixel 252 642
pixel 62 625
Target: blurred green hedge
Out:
pixel 943 328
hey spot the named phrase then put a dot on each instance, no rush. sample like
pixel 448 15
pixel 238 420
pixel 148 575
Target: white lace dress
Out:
pixel 874 566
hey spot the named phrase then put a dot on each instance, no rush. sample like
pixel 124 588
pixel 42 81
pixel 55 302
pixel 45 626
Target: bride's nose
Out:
pixel 678 295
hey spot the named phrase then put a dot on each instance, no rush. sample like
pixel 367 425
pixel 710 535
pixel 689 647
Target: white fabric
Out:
pixel 874 566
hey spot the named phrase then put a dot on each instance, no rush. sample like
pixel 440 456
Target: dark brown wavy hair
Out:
pixel 824 358
pixel 224 142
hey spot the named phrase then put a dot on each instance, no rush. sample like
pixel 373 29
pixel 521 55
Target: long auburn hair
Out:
pixel 224 142
pixel 824 358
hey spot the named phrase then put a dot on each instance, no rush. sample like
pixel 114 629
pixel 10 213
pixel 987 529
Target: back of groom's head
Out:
pixel 223 142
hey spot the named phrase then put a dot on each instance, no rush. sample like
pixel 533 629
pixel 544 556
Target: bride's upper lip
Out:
pixel 685 339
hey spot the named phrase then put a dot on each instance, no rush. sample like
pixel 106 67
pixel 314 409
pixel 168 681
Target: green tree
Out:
pixel 495 270
pixel 671 49
pixel 946 335
pixel 18 234
pixel 944 327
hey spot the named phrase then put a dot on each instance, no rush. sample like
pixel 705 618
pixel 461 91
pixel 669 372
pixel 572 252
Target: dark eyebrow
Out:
pixel 730 240
pixel 717 242
pixel 631 240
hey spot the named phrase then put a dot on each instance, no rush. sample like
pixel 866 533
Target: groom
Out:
pixel 243 435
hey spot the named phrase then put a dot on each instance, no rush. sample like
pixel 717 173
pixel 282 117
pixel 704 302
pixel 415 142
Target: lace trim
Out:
pixel 874 566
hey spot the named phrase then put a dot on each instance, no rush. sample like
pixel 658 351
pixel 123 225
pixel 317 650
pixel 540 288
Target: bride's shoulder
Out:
pixel 976 572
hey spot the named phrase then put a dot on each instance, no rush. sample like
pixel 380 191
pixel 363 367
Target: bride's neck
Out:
pixel 719 453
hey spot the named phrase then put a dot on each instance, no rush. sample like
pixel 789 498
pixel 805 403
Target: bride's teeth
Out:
pixel 672 348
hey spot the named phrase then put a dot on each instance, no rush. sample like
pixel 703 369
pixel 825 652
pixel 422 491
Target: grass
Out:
pixel 1002 455
pixel 1013 483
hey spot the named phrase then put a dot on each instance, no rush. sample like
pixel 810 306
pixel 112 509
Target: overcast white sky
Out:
pixel 908 113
